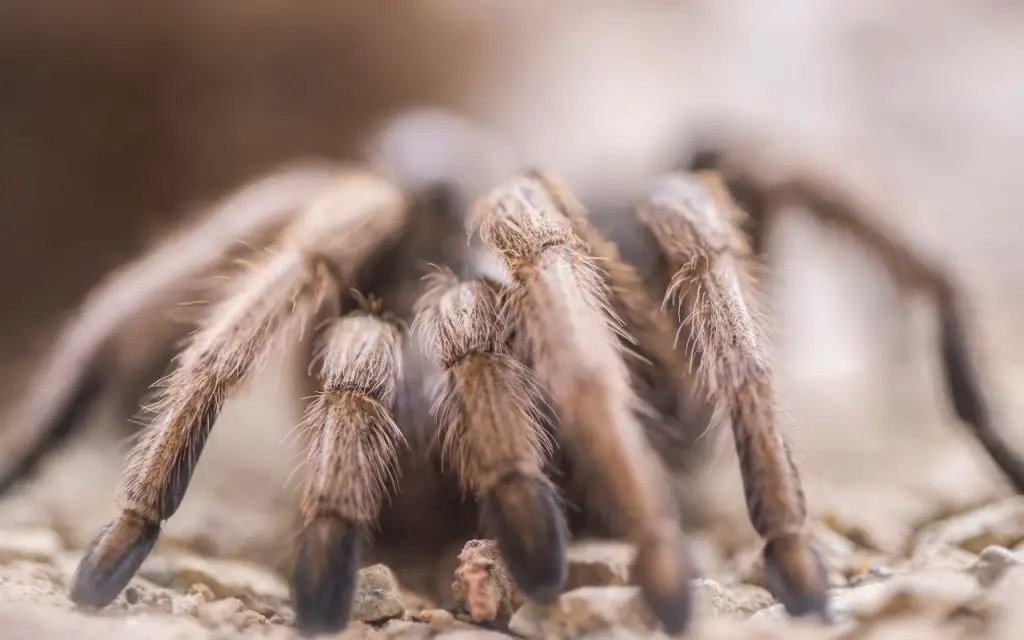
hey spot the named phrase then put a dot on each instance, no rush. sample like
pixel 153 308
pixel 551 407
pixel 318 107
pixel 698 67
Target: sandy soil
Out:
pixel 880 465
pixel 897 489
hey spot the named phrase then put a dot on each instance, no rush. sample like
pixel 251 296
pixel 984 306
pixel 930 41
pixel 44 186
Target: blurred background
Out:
pixel 118 117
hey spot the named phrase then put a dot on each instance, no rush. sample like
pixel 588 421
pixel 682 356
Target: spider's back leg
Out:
pixel 817 193
pixel 690 219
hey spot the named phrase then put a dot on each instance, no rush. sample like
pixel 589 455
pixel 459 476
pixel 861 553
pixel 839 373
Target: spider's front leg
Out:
pixel 119 340
pixel 331 238
pixel 488 411
pixel 557 301
pixel 687 215
pixel 353 464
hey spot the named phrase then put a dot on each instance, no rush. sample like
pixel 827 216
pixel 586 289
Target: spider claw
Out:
pixel 964 387
pixel 663 571
pixel 524 515
pixel 112 559
pixel 795 574
pixel 325 575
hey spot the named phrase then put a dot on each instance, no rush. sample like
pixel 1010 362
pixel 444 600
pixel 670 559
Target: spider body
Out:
pixel 480 361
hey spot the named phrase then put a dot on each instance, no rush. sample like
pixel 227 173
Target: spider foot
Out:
pixel 524 514
pixel 112 560
pixel 663 571
pixel 796 575
pixel 325 575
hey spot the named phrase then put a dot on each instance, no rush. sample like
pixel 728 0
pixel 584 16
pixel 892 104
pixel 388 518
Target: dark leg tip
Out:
pixel 796 575
pixel 525 516
pixel 964 388
pixel 324 580
pixel 674 613
pixel 664 573
pixel 112 560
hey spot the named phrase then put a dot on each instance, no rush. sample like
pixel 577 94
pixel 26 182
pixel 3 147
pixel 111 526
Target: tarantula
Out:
pixel 539 355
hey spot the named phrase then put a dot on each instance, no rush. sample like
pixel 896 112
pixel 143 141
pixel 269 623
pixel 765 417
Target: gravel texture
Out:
pixel 920 535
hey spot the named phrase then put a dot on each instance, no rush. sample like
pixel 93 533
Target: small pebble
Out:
pixel 993 563
pixel 377 597
pixel 438 619
pixel 202 591
pixel 213 614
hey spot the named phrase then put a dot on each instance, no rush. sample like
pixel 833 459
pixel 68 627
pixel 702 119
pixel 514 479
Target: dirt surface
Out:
pixel 923 538
pixel 910 516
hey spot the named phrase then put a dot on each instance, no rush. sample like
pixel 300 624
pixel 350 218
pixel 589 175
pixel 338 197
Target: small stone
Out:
pixel 1000 524
pixel 1006 594
pixel 414 603
pixel 35 544
pixel 936 555
pixel 202 591
pixel 214 614
pixel 482 585
pixel 870 573
pixel 247 619
pixel 162 600
pixel 883 537
pixel 736 601
pixel 131 595
pixel 930 594
pixel 598 563
pixel 359 631
pixel 993 563
pixel 438 619
pixel 406 630
pixel 472 634
pixel 187 605
pixel 225 578
pixel 287 614
pixel 377 597
pixel 149 594
pixel 585 610
pixel 257 604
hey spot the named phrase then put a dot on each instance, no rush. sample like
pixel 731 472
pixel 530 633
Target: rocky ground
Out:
pixel 922 538
pixel 920 535
pixel 962 577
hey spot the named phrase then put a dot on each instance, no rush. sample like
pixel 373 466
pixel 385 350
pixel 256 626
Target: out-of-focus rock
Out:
pixel 403 629
pixel 482 586
pixel 736 601
pixel 598 563
pixel 378 596
pixel 214 614
pixel 415 603
pixel 472 634
pixel 879 536
pixel 586 610
pixel 37 544
pixel 225 578
pixel 202 591
pixel 934 555
pixel 993 563
pixel 355 631
pixel 1000 524
pixel 437 619
pixel 931 594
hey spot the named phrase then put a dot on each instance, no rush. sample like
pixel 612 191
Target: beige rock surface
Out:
pixel 921 539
